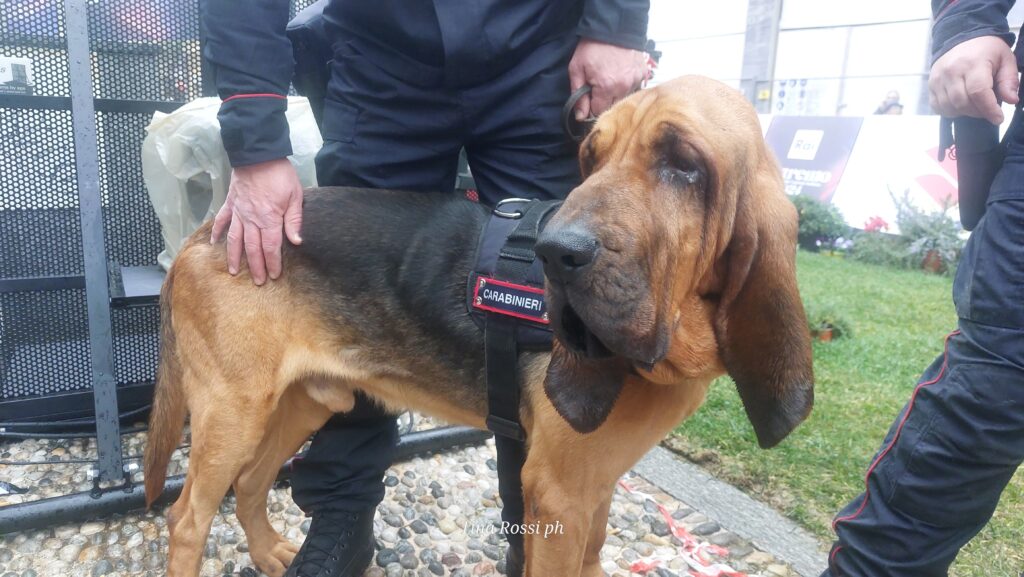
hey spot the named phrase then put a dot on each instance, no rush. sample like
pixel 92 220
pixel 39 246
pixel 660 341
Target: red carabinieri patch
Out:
pixel 514 300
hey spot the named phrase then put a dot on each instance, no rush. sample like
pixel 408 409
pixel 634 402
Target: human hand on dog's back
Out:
pixel 973 77
pixel 264 205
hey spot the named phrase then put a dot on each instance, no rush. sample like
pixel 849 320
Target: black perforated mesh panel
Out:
pixel 35 30
pixel 132 229
pixel 40 234
pixel 45 343
pixel 142 51
pixel 145 49
pixel 145 55
pixel 135 344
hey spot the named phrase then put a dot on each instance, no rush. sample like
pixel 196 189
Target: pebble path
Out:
pixel 437 519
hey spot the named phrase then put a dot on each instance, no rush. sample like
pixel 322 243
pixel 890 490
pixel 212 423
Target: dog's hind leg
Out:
pixel 226 430
pixel 295 419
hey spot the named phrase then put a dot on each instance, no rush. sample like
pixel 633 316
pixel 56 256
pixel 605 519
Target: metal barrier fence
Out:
pixel 85 78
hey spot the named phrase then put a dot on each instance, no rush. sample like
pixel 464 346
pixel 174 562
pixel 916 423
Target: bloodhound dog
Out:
pixel 688 272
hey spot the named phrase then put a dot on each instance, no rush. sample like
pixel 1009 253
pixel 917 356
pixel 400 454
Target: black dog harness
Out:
pixel 506 297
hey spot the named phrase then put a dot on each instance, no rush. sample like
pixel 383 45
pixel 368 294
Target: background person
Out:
pixel 891 104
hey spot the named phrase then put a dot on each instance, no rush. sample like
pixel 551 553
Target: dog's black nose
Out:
pixel 565 253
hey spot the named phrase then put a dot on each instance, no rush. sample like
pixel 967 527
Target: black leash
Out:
pixel 576 129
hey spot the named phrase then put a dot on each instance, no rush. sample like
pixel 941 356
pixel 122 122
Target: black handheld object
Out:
pixel 979 156
pixel 575 129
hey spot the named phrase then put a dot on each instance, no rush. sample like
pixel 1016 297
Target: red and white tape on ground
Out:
pixel 692 552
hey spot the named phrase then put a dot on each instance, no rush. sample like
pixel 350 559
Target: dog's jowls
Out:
pixel 672 263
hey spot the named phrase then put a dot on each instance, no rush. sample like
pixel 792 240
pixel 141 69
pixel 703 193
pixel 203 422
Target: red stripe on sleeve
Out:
pixel 237 96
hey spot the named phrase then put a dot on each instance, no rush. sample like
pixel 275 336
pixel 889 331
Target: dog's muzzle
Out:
pixel 599 304
pixel 566 253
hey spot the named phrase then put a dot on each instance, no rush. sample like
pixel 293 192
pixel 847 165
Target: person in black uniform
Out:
pixel 950 453
pixel 411 83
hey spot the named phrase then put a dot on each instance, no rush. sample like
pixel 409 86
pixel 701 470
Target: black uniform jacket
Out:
pixel 443 43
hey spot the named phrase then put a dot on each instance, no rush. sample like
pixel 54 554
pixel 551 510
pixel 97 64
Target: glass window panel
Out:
pixel 811 53
pixel 680 19
pixel 813 13
pixel 719 57
pixel 888 49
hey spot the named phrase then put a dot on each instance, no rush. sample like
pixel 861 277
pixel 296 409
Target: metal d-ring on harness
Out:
pixel 506 292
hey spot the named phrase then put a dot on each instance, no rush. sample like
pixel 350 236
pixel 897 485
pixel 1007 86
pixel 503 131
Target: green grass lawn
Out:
pixel 899 320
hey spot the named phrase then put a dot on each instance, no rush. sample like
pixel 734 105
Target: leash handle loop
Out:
pixel 575 129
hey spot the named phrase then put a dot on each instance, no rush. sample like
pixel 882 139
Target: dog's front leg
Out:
pixel 557 520
pixel 569 478
pixel 598 530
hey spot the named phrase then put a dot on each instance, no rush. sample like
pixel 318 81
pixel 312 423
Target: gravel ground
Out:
pixel 437 519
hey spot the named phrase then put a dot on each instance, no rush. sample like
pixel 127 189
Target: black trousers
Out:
pixel 382 132
pixel 953 448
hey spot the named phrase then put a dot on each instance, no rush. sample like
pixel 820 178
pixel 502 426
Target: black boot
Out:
pixel 339 544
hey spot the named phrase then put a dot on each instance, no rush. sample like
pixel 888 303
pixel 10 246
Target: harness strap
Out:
pixel 522 240
pixel 503 421
pixel 503 389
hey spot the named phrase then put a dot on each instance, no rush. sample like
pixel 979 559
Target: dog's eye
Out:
pixel 680 177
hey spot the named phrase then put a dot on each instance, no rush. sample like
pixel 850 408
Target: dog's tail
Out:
pixel 167 417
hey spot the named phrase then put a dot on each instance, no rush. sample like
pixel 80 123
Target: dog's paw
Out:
pixel 274 561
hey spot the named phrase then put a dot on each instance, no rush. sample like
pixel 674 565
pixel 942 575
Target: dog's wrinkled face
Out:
pixel 612 253
pixel 676 254
pixel 625 249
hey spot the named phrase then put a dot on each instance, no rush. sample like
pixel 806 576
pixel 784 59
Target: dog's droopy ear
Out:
pixel 761 328
pixel 584 390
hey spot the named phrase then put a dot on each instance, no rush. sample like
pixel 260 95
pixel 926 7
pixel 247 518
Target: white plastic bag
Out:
pixel 187 172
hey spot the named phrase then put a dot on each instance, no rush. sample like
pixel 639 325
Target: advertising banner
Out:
pixel 896 157
pixel 864 165
pixel 813 151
